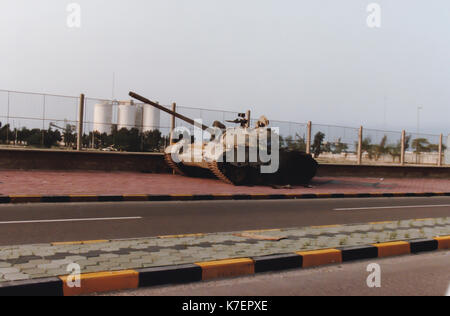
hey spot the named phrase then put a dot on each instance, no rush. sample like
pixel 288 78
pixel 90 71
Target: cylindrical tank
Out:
pixel 127 116
pixel 103 113
pixel 139 117
pixel 152 118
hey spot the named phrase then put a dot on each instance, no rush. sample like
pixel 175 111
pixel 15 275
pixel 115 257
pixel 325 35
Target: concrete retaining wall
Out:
pixel 410 158
pixel 334 170
pixel 25 159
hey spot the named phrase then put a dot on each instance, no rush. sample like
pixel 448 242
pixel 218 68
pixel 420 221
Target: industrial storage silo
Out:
pixel 103 114
pixel 152 118
pixel 139 117
pixel 126 116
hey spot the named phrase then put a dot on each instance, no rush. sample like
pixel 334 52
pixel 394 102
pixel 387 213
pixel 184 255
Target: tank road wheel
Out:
pixel 173 165
pixel 237 175
pixel 230 174
pixel 217 171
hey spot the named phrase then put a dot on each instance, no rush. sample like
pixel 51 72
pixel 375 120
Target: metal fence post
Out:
pixel 403 148
pixel 441 140
pixel 308 137
pixel 80 123
pixel 360 140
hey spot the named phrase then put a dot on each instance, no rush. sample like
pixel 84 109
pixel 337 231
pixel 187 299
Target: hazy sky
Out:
pixel 289 59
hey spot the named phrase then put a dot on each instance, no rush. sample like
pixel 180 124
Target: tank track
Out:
pixel 173 165
pixel 296 168
pixel 214 168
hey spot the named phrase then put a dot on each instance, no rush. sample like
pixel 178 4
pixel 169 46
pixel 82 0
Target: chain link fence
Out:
pixel 32 120
pixel 381 147
pixel 423 148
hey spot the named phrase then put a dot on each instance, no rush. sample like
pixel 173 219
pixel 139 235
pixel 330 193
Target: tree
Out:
pixel 43 138
pixel 152 141
pixel 69 136
pixel 317 146
pixel 407 142
pixel 396 150
pixel 296 143
pixel 127 140
pixel 421 145
pixel 124 140
pixel 339 147
pixel 51 138
pixel 327 147
pixel 290 143
pixel 380 149
pixel 23 135
pixel 300 143
pixel 5 134
pixel 35 138
pixel 367 146
pixel 435 148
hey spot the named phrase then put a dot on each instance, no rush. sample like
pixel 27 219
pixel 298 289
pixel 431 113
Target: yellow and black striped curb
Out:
pixel 16 199
pixel 202 271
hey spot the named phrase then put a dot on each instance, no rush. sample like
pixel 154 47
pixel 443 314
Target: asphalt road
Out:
pixel 43 223
pixel 415 275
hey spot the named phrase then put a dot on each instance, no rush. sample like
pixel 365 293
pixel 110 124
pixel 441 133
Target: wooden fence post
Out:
pixel 441 139
pixel 403 148
pixel 80 123
pixel 360 141
pixel 308 137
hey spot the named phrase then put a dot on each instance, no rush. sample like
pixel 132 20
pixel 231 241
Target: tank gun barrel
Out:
pixel 164 109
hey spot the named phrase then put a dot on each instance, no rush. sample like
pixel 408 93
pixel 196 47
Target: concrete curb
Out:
pixel 18 199
pixel 202 271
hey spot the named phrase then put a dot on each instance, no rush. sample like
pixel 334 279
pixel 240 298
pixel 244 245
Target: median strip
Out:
pixel 111 265
pixel 320 257
pixel 101 282
pixel 443 242
pixel 227 268
pixel 109 281
pixel 391 249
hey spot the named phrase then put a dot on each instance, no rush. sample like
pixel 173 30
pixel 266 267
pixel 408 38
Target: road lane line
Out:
pixel 70 220
pixel 389 207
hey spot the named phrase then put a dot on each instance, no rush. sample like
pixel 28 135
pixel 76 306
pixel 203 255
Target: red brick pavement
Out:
pixel 110 183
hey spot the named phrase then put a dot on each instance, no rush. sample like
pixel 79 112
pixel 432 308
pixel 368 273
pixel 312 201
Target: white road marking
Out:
pixel 71 220
pixel 389 207
pixel 448 291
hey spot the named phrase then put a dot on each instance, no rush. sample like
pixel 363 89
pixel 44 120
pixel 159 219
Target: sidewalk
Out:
pixel 120 183
pixel 48 260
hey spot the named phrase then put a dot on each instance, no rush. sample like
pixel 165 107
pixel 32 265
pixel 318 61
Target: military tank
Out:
pixel 236 155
